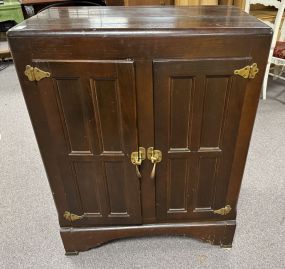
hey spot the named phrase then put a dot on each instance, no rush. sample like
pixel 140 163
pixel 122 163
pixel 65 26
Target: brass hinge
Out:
pixel 34 73
pixel 248 71
pixel 72 217
pixel 224 210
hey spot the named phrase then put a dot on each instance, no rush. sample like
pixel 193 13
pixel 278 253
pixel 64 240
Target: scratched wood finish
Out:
pixel 126 77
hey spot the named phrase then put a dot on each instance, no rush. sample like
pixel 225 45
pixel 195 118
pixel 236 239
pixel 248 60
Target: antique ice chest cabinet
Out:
pixel 143 116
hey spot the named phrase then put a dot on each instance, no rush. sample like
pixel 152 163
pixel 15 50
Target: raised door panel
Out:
pixel 91 111
pixel 197 107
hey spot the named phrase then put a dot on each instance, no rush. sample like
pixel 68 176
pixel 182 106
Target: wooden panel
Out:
pixel 109 118
pixel 88 187
pixel 96 105
pixel 205 184
pixel 115 178
pixel 73 116
pixel 180 108
pixel 196 110
pixel 177 186
pixel 213 111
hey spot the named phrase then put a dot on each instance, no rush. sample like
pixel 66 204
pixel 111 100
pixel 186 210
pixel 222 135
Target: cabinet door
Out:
pixel 197 108
pixel 91 111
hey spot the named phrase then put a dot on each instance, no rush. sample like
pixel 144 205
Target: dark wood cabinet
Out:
pixel 143 116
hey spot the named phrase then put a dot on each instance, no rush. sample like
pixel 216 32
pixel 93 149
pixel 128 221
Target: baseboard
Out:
pixel 81 239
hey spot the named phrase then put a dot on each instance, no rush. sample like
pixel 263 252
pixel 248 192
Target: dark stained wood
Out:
pixel 144 85
pixel 216 233
pixel 31 2
pixel 149 2
pixel 95 102
pixel 197 110
pixel 128 77
pixel 93 20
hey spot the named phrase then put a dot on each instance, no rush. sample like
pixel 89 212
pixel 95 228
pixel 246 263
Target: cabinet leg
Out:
pixel 228 236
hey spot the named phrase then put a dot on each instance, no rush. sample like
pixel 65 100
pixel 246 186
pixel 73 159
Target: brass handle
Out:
pixel 152 174
pixel 136 158
pixel 155 156
pixel 138 171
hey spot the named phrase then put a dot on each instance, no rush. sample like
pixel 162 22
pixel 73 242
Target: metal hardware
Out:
pixel 34 73
pixel 155 156
pixel 72 217
pixel 224 210
pixel 248 71
pixel 253 71
pixel 136 158
pixel 29 72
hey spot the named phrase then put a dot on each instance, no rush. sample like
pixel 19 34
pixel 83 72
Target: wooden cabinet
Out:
pixel 105 85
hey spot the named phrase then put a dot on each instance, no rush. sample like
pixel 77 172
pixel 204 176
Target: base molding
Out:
pixel 82 239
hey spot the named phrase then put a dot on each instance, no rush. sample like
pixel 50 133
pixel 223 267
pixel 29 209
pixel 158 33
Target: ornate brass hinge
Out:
pixel 34 73
pixel 72 217
pixel 224 210
pixel 248 71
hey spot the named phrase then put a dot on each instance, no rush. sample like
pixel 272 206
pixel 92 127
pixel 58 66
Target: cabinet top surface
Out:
pixel 95 20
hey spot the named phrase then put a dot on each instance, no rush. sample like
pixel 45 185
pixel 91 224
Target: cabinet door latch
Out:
pixel 155 156
pixel 136 158
pixel 34 73
pixel 248 71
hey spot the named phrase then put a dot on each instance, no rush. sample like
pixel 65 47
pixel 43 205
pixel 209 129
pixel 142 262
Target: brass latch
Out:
pixel 224 210
pixel 72 217
pixel 155 156
pixel 34 73
pixel 136 158
pixel 248 71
